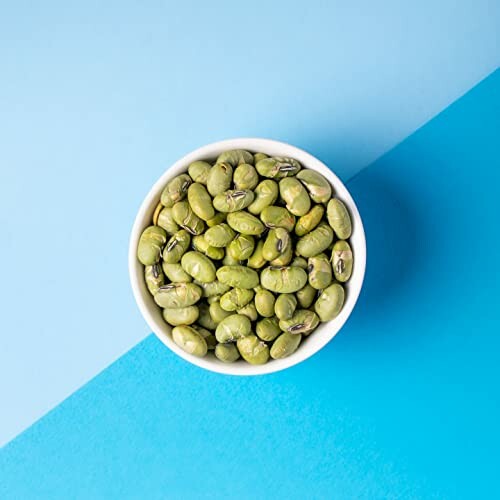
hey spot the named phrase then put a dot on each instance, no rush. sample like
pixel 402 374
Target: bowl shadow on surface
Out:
pixel 393 228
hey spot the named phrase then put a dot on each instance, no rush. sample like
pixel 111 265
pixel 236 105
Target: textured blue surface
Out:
pixel 404 402
pixel 98 98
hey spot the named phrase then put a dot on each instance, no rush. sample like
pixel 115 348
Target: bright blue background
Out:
pixel 403 403
pixel 98 98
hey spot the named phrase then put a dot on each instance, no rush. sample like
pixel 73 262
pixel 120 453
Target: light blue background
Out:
pixel 98 98
pixel 403 403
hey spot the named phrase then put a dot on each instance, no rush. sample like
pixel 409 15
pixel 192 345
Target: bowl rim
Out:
pixel 314 342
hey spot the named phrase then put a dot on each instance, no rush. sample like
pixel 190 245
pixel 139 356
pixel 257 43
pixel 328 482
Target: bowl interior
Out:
pixel 325 331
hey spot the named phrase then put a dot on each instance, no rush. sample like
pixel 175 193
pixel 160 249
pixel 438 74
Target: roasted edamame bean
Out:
pixel 342 261
pixel 176 246
pixel 150 245
pixel 189 340
pixel 268 328
pixel 253 350
pixel 318 187
pixel 154 277
pixel 330 302
pixel 293 192
pixel 219 178
pixel 246 254
pixel 274 216
pixel 339 218
pixel 227 353
pixel 285 345
pixel 177 295
pixel 232 328
pixel 200 201
pixel 238 276
pixel 315 242
pixel 181 316
pixel 320 271
pixel 175 190
pixel 283 279
pixel 303 321
pixel 285 305
pixel 199 266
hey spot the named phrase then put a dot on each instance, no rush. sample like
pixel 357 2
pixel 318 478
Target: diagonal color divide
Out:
pixel 403 403
pixel 97 100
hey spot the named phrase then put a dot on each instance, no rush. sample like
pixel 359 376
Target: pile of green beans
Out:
pixel 247 255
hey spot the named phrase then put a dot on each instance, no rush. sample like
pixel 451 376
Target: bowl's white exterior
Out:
pixel 323 334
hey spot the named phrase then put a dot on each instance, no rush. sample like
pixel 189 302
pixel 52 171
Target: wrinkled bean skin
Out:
pixel 283 279
pixel 189 340
pixel 199 266
pixel 200 201
pixel 303 321
pixel 219 178
pixel 198 171
pixel 264 302
pixel 217 313
pixel 318 187
pixel 242 247
pixel 213 289
pixel 268 329
pixel 236 298
pixel 181 316
pixel 309 221
pixel 167 222
pixel 245 177
pixel 330 302
pixel 220 236
pixel 176 247
pixel 232 328
pixel 285 345
pixel 266 193
pixel 150 245
pixel 184 216
pixel 246 255
pixel 293 192
pixel 339 218
pixel 218 218
pixel 249 311
pixel 238 276
pixel 175 273
pixel 315 242
pixel 285 306
pixel 274 216
pixel 236 157
pixel 305 296
pixel 245 223
pixel 277 167
pixel 175 190
pixel 342 261
pixel 176 295
pixel 253 350
pixel 256 260
pixel 227 353
pixel 320 271
pixel 233 200
pixel 154 277
pixel 277 241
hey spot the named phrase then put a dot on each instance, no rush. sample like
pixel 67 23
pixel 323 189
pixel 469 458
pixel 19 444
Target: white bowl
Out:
pixel 325 331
